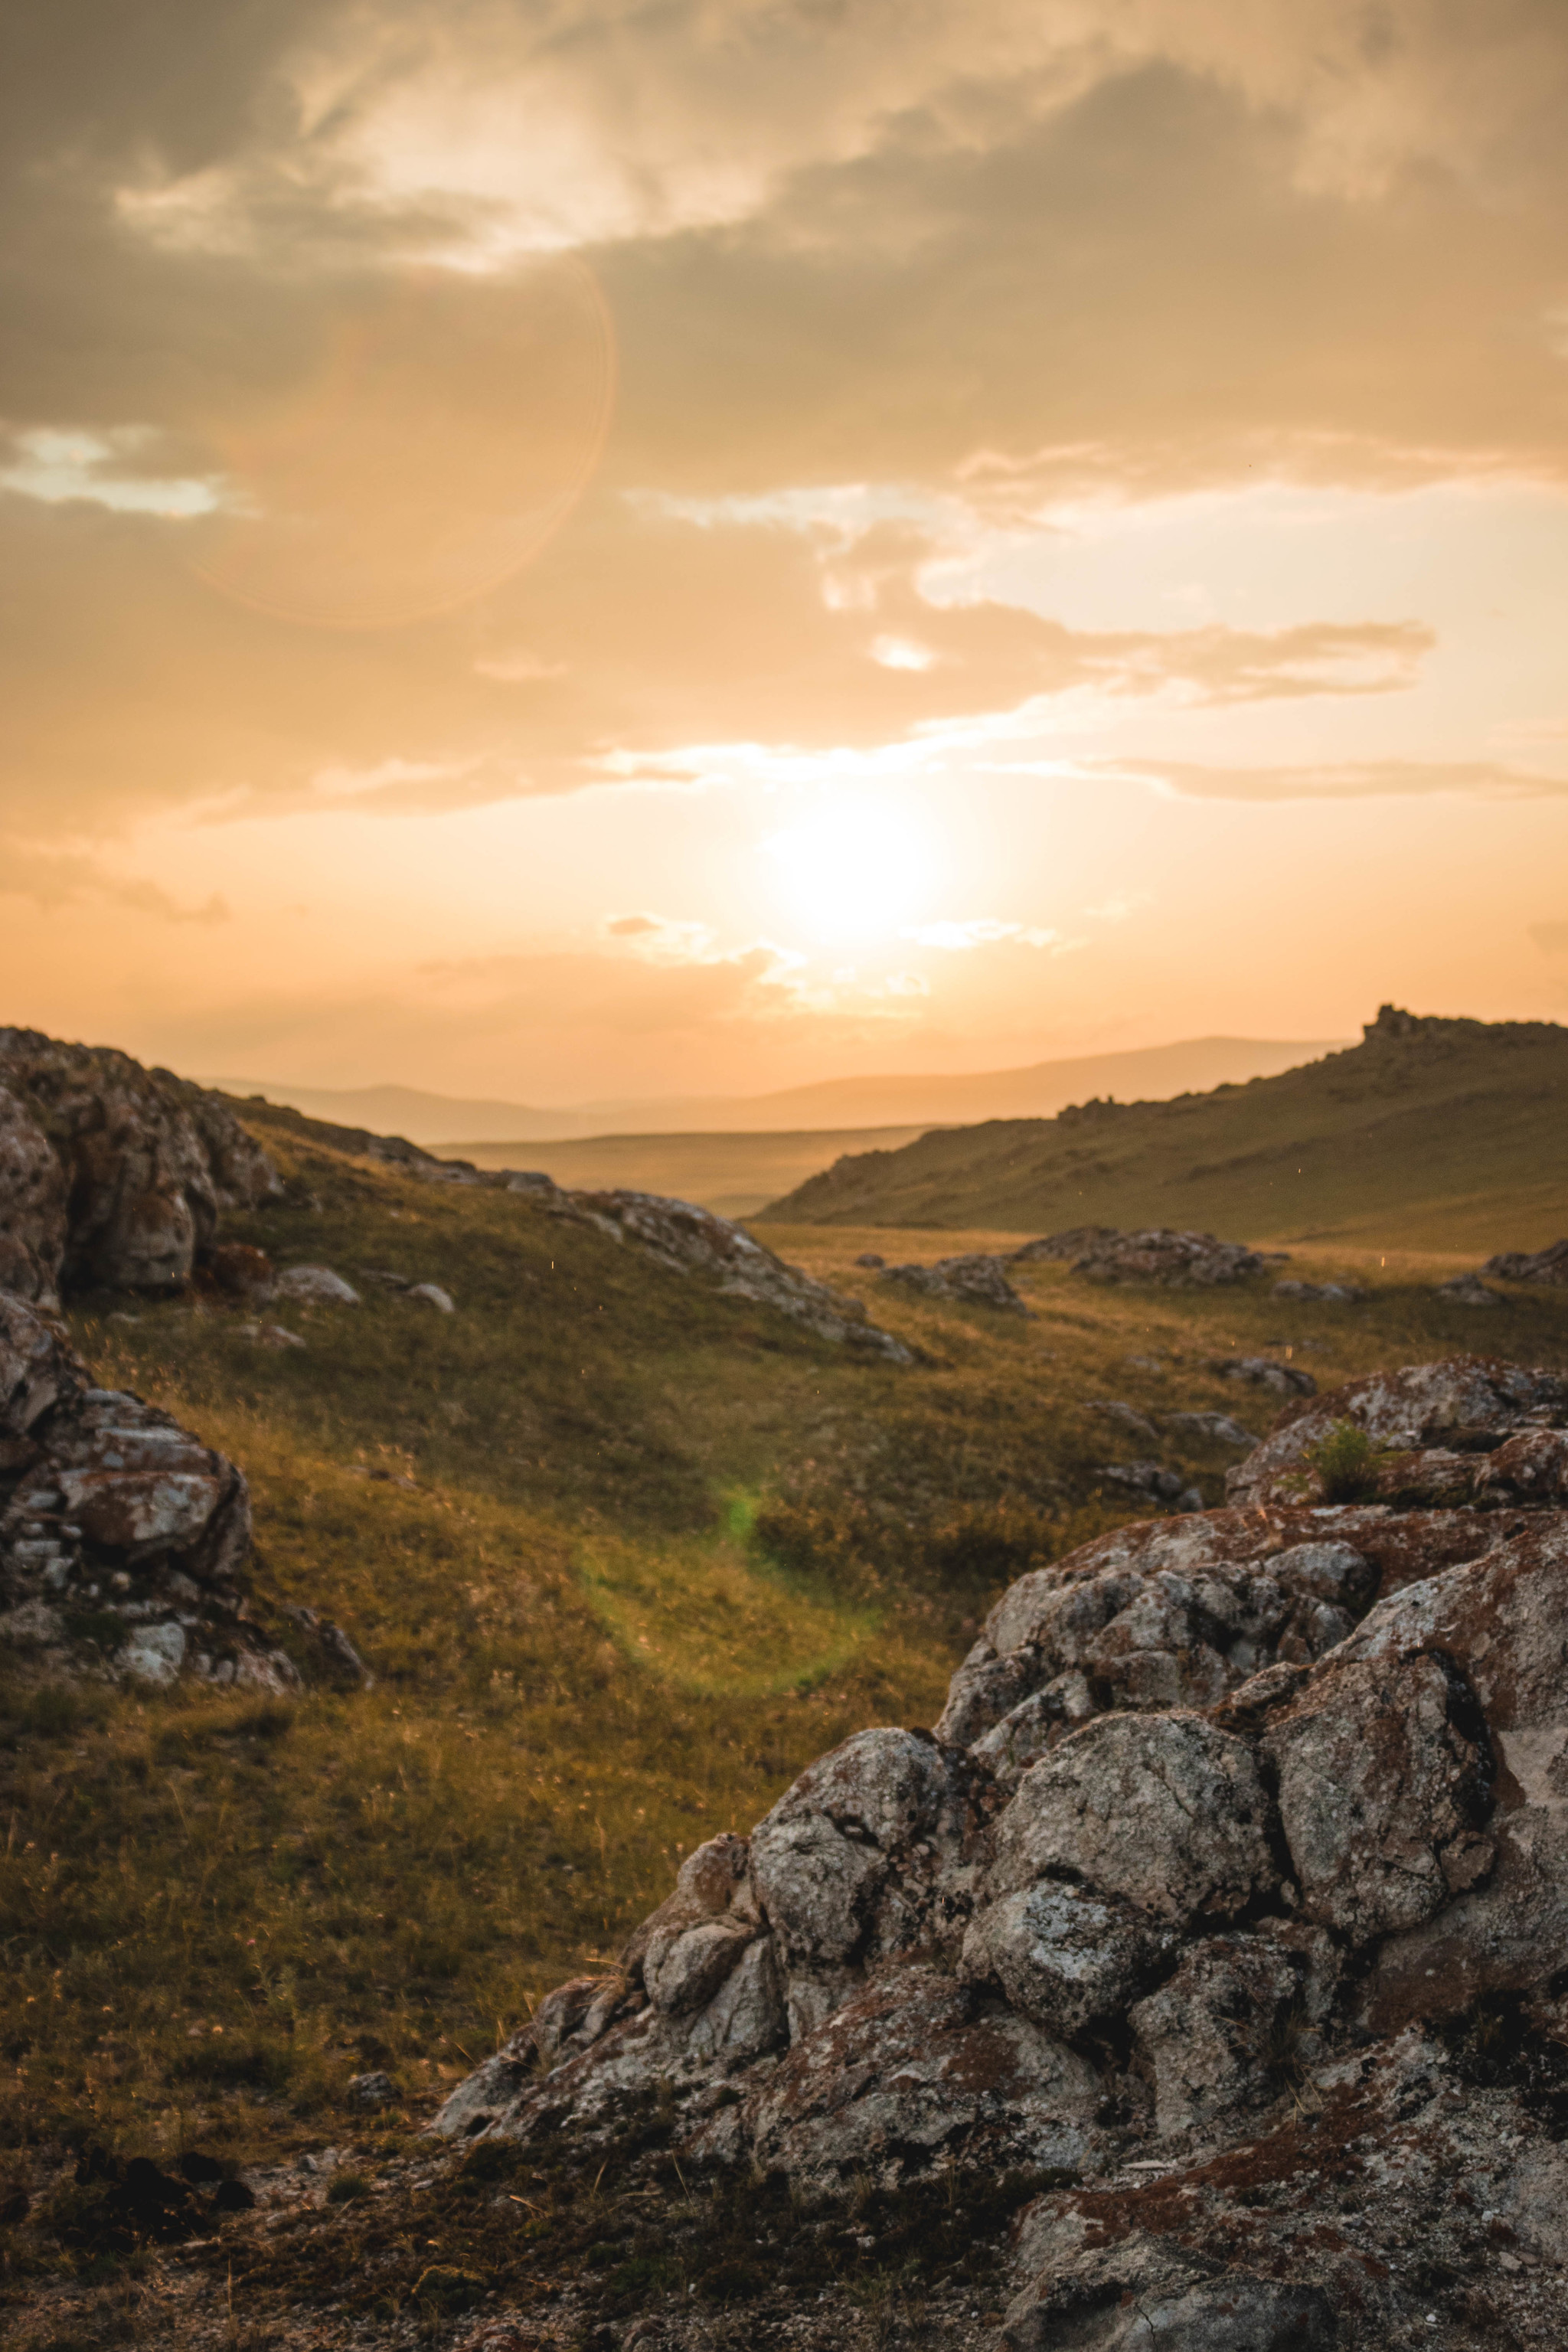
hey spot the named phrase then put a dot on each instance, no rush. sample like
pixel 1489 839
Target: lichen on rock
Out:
pixel 1230 1824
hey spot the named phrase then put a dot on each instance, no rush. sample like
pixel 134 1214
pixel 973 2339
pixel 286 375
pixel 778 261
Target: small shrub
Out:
pixel 1346 1463
pixel 344 2188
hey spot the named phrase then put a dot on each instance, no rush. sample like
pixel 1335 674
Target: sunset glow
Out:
pixel 633 549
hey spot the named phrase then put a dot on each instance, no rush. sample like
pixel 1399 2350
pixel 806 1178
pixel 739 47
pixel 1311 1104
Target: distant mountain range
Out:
pixel 1151 1073
pixel 1431 1134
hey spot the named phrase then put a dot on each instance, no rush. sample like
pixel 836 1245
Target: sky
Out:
pixel 594 548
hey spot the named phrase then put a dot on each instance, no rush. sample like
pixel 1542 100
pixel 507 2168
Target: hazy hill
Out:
pixel 1431 1133
pixel 733 1174
pixel 836 1104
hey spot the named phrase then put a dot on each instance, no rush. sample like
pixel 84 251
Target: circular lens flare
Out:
pixel 442 433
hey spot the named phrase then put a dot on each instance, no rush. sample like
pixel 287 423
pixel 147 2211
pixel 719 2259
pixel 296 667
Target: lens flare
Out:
pixel 443 431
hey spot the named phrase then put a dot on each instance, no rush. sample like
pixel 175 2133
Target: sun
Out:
pixel 853 871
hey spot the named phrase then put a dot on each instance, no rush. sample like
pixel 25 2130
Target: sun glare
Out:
pixel 855 870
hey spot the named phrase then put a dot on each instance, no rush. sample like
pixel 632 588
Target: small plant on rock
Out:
pixel 1346 1461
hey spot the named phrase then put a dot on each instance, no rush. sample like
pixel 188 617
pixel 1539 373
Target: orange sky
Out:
pixel 580 549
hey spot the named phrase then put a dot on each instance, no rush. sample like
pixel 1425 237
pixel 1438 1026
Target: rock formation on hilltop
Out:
pixel 123 1540
pixel 1229 1895
pixel 111 1175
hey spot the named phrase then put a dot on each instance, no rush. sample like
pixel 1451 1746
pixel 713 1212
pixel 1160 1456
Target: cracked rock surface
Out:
pixel 1229 1897
pixel 111 1175
pixel 123 1539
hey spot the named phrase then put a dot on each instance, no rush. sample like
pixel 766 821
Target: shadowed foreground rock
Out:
pixel 1229 1896
pixel 111 1175
pixel 123 1540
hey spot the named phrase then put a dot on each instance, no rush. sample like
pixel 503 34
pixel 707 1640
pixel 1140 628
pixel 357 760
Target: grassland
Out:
pixel 1451 1138
pixel 734 1175
pixel 623 1555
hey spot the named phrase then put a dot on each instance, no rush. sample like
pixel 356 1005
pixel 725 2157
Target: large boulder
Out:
pixel 111 1175
pixel 123 1540
pixel 1258 1941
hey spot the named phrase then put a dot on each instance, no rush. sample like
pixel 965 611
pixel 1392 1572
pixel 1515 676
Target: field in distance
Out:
pixel 1434 1134
pixel 733 1174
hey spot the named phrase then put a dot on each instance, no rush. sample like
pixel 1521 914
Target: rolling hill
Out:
pixel 834 1104
pixel 1436 1133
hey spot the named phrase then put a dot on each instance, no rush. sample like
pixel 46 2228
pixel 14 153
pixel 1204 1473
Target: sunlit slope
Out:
pixel 1447 1135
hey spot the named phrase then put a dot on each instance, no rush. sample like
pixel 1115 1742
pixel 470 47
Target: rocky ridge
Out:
pixel 1229 1896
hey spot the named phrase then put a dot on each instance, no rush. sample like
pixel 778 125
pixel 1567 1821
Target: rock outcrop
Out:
pixel 1181 1261
pixel 972 1280
pixel 1470 1431
pixel 111 1176
pixel 1549 1264
pixel 689 1240
pixel 1232 1886
pixel 123 1540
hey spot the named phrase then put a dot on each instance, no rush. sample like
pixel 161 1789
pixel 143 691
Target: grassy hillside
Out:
pixel 733 1174
pixel 624 1555
pixel 1445 1135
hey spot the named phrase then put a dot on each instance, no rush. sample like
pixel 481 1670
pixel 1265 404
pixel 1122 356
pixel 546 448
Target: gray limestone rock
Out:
pixel 1062 1956
pixel 1163 1811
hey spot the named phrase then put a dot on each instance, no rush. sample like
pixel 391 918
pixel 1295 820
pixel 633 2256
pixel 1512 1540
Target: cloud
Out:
pixel 1552 939
pixel 1349 779
pixel 127 685
pixel 984 930
pixel 56 879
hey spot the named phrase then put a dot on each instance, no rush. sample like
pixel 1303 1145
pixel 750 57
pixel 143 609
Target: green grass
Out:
pixel 659 1551
pixel 1450 1139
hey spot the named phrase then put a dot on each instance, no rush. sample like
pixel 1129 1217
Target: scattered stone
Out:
pixel 1345 1292
pixel 976 1280
pixel 236 1270
pixel 1549 1264
pixel 1213 1428
pixel 373 2090
pixel 1055 1248
pixel 1181 1261
pixel 270 1335
pixel 338 1656
pixel 315 1286
pixel 1469 1290
pixel 430 1294
pixel 870 1258
pixel 111 1176
pixel 1263 1372
pixel 1153 1478
pixel 1127 1417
